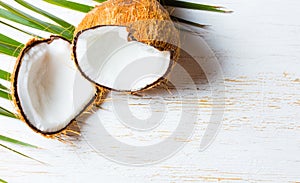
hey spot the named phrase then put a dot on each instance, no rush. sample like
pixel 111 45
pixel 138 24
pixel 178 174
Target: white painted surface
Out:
pixel 259 141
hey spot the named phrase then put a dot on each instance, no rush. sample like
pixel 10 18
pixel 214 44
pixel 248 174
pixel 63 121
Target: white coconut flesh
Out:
pixel 106 57
pixel 46 80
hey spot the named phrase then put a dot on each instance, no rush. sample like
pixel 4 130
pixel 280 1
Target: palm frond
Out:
pixel 71 5
pixel 2 181
pixel 8 50
pixel 9 46
pixel 179 4
pixel 99 1
pixel 5 75
pixel 59 21
pixel 9 41
pixel 18 19
pixel 22 154
pixel 188 22
pixel 18 29
pixel 21 17
pixel 17 142
pixel 4 88
pixel 5 95
pixel 194 6
pixel 7 113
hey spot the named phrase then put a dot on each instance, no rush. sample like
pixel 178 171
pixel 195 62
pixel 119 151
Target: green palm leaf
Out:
pixel 8 50
pixel 2 181
pixel 9 40
pixel 34 22
pixel 99 1
pixel 18 19
pixel 5 95
pixel 179 4
pixel 187 22
pixel 194 6
pixel 5 75
pixel 59 21
pixel 7 113
pixel 71 5
pixel 9 46
pixel 4 88
pixel 22 154
pixel 17 142
pixel 18 29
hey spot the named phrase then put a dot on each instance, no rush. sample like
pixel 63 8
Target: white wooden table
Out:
pixel 258 51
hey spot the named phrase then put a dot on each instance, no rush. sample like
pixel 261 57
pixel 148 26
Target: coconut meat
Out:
pixel 106 56
pixel 45 86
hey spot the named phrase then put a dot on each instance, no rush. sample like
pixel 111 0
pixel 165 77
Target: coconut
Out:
pixel 126 45
pixel 47 89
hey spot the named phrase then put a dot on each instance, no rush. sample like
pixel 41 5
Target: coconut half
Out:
pixel 47 88
pixel 110 57
pixel 126 59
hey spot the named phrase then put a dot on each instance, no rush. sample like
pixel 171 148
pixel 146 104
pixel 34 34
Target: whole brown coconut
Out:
pixel 147 20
